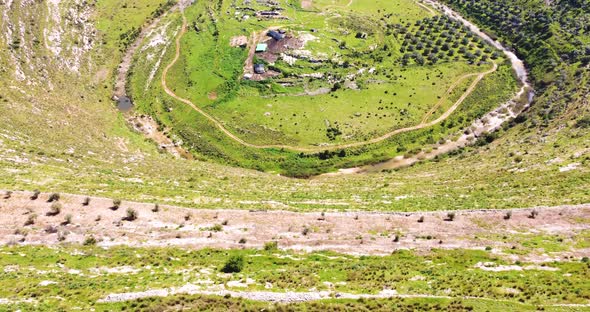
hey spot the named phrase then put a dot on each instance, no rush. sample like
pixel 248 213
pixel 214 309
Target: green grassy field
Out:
pixel 83 275
pixel 399 73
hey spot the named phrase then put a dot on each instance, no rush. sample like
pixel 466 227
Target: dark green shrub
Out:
pixel 235 264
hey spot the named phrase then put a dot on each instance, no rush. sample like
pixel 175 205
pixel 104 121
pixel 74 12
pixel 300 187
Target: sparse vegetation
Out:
pixel 67 219
pixel 450 216
pixel 132 215
pixel 116 204
pixel 54 209
pixel 53 197
pixel 31 219
pixel 89 241
pixel 35 195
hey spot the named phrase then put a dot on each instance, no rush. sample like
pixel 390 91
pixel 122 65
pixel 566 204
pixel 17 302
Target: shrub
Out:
pixel 421 219
pixel 55 209
pixel 89 241
pixel 67 219
pixel 187 216
pixel 8 195
pixel 116 204
pixel 450 216
pixel 225 222
pixel 534 214
pixel 31 219
pixel 396 239
pixel 156 208
pixel 35 195
pixel 53 197
pixel 242 241
pixel 86 201
pixel 305 231
pixel 488 248
pixel 271 246
pixel 508 215
pixel 131 214
pixel 235 264
pixel 585 260
pixel 51 229
pixel 61 236
pixel 217 228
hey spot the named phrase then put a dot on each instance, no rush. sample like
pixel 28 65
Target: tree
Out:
pixel 235 264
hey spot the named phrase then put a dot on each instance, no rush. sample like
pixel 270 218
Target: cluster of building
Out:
pixel 262 47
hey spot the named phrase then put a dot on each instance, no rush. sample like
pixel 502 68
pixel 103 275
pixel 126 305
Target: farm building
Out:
pixel 276 35
pixel 261 47
pixel 259 69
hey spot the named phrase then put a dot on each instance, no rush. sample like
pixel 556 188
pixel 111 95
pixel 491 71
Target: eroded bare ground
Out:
pixel 351 233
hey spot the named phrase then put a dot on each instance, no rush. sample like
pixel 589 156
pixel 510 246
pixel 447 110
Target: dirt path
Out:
pixel 386 136
pixel 425 7
pixel 369 233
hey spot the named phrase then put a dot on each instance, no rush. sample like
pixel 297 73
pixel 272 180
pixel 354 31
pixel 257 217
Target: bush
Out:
pixel 235 264
pixel 534 214
pixel 35 195
pixel 450 216
pixel 156 208
pixel 31 219
pixel 8 195
pixel 89 241
pixel 508 215
pixel 217 228
pixel 242 241
pixel 305 231
pixel 51 229
pixel 421 219
pixel 53 197
pixel 55 209
pixel 67 219
pixel 271 246
pixel 86 201
pixel 131 214
pixel 116 204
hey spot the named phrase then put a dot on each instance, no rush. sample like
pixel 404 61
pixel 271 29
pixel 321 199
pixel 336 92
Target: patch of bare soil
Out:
pixel 306 4
pixel 345 232
pixel 212 95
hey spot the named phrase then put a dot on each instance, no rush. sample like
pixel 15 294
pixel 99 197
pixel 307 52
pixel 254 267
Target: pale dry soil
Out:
pixel 359 233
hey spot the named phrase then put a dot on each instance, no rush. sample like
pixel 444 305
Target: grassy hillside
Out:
pixel 71 139
pixel 459 278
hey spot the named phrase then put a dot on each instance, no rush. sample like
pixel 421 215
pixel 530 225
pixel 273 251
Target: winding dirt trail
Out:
pixel 386 136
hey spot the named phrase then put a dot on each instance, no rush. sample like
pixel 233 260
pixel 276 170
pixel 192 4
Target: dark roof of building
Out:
pixel 276 35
